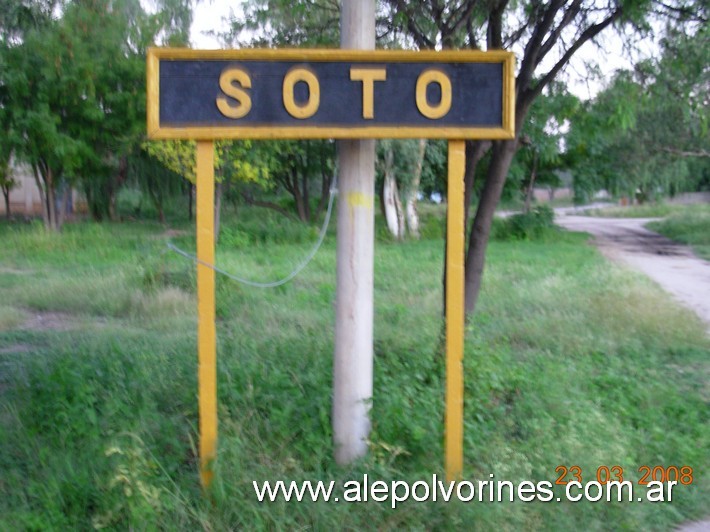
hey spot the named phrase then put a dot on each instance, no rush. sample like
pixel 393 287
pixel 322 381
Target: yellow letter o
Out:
pixel 443 107
pixel 308 109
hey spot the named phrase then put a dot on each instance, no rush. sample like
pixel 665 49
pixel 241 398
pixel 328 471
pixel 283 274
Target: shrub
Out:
pixel 525 226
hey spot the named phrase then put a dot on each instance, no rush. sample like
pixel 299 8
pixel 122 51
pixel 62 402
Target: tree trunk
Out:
pixel 63 200
pixel 6 194
pixel 324 193
pixel 325 184
pixel 115 186
pixel 531 184
pixel 42 194
pixel 503 152
pixel 190 199
pixel 475 150
pixel 112 208
pixel 411 207
pixel 306 196
pixel 412 215
pixel 399 209
pixel 52 208
pixel 390 197
pixel 51 198
pixel 297 196
pixel 218 186
pixel 158 202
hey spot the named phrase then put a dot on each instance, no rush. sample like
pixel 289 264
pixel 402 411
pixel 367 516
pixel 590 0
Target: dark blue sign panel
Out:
pixel 329 94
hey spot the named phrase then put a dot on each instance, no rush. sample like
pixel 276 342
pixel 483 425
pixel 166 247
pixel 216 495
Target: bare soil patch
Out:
pixel 15 349
pixel 172 233
pixel 14 271
pixel 49 321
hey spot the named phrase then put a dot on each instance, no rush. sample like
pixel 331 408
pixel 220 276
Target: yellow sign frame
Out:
pixel 506 59
pixel 205 137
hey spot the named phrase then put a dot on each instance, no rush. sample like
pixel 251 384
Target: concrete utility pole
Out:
pixel 352 368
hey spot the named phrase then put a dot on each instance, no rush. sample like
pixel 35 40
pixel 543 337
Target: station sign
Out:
pixel 298 94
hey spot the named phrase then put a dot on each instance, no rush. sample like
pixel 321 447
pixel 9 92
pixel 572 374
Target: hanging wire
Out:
pixel 301 266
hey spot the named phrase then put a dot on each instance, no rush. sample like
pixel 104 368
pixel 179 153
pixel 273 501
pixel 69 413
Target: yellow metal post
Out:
pixel 206 334
pixel 454 311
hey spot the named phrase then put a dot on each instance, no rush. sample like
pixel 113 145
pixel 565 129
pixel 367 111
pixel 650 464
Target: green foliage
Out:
pixel 7 182
pixel 155 179
pixel 434 169
pixel 295 168
pixel 541 157
pixel 691 225
pixel 291 24
pixel 73 86
pixel 405 158
pixel 432 220
pixel 179 156
pixel 536 224
pixel 234 238
pixel 645 135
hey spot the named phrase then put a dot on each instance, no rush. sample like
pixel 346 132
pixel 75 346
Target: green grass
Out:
pixel 690 226
pixel 569 361
pixel 647 210
pixel 517 203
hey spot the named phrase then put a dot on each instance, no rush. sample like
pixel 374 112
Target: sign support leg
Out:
pixel 454 311
pixel 206 333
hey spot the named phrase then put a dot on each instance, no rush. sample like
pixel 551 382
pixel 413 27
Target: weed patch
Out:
pixel 569 361
pixel 536 224
pixel 690 226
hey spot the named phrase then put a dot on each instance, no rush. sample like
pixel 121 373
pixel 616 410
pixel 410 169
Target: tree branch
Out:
pixel 568 16
pixel 495 25
pixel 589 33
pixel 472 39
pixel 530 60
pixel 683 12
pixel 269 205
pixel 461 15
pixel 516 35
pixel 418 35
pixel 683 153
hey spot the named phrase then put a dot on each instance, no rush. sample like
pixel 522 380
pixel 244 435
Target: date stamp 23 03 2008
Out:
pixel 680 474
pixel 657 480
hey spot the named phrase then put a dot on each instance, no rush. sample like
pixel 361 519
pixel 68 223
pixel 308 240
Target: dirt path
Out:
pixel 673 266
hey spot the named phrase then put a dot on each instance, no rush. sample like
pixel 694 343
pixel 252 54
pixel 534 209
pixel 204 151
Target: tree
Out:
pixel 35 65
pixel 399 169
pixel 7 183
pixel 293 23
pixel 6 147
pixel 540 157
pixel 547 36
pixel 298 167
pixel 235 162
pixel 295 165
pixel 645 134
pixel 109 43
pixel 73 87
pixel 178 156
pixel 680 94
